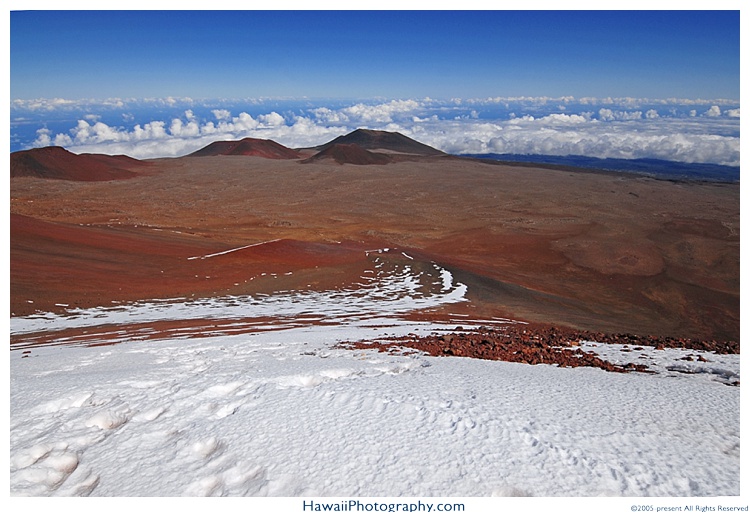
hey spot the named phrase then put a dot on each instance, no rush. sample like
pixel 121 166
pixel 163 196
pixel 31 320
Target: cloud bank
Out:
pixel 689 131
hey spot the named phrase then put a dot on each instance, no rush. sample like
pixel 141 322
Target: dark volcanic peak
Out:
pixel 54 162
pixel 387 141
pixel 349 154
pixel 248 147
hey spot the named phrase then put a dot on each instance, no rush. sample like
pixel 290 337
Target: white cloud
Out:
pixel 668 139
pixel 714 111
pixel 606 114
pixel 43 138
pixel 382 113
pixel 449 126
pixel 326 115
pixel 563 119
pixel 629 115
pixel 98 132
pixel 150 131
pixel 43 104
pixel 272 119
pixel 221 114
pixel 395 106
pixel 155 139
pixel 61 139
pixel 180 129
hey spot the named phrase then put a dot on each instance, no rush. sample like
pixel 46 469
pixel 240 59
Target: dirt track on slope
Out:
pixel 594 251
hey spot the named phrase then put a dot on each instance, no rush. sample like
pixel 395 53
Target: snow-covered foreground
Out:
pixel 287 413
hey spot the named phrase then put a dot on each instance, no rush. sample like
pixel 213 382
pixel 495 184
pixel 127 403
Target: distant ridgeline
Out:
pixel 662 169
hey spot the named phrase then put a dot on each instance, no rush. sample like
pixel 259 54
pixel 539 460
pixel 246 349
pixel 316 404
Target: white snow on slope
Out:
pixel 206 256
pixel 287 413
pixel 394 287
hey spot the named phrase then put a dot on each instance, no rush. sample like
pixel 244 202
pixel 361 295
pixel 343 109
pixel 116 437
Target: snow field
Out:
pixel 284 413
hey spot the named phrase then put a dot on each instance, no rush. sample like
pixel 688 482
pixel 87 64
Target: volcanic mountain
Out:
pixel 248 147
pixel 383 141
pixel 58 163
pixel 350 154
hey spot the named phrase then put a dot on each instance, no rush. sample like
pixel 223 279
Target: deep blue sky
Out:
pixel 442 54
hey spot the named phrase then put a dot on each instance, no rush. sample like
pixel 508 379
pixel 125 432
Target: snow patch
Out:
pixel 206 256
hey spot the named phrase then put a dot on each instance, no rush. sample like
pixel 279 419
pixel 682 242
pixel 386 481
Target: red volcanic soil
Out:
pixel 248 147
pixel 86 266
pixel 349 154
pixel 58 163
pixel 607 253
pixel 382 140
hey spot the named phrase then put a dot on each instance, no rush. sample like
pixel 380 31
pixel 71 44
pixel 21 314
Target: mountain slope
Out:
pixel 350 154
pixel 383 141
pixel 248 147
pixel 54 162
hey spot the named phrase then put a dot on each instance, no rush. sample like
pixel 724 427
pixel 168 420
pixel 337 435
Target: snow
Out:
pixel 396 287
pixel 289 413
pixel 206 256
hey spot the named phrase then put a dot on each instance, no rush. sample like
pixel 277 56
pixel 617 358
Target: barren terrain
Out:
pixel 188 326
pixel 604 252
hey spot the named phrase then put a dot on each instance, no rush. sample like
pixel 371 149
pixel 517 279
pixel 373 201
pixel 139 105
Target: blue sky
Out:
pixel 401 54
pixel 619 84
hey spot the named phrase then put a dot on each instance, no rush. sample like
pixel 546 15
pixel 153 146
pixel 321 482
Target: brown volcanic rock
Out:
pixel 382 140
pixel 537 344
pixel 54 162
pixel 248 147
pixel 350 154
pixel 513 343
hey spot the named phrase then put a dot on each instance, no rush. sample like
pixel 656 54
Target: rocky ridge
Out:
pixel 535 344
